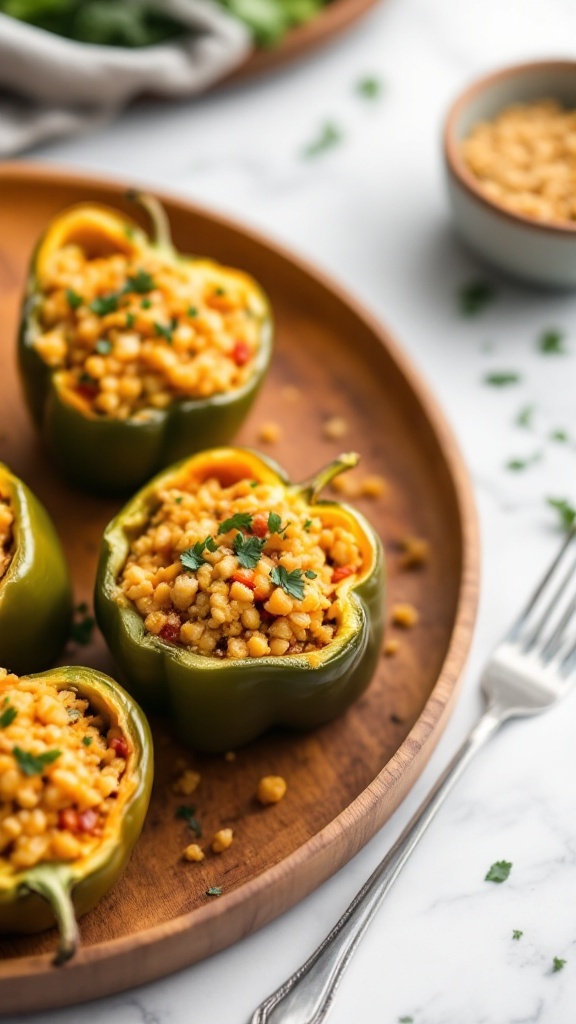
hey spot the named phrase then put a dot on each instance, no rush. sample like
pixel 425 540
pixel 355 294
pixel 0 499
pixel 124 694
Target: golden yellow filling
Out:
pixel 133 334
pixel 61 767
pixel 6 535
pixel 243 571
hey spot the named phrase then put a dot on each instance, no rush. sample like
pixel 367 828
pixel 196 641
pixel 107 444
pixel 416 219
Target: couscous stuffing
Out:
pixel 133 334
pixel 238 571
pixel 61 769
pixel 6 535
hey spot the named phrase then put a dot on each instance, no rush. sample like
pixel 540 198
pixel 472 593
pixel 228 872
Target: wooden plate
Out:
pixel 333 20
pixel 345 779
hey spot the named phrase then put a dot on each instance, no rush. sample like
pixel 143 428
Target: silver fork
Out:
pixel 529 671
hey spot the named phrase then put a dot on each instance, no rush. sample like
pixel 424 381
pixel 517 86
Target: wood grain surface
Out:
pixel 345 779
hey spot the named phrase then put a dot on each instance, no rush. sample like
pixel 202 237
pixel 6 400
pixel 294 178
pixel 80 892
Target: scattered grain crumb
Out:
pixel 230 755
pixel 373 486
pixel 404 615
pixel 291 394
pixel 186 783
pixel 391 647
pixel 194 853
pixel 269 433
pixel 335 428
pixel 271 789
pixel 222 840
pixel 416 552
pixel 346 484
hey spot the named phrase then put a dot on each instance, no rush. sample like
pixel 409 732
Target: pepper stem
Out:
pixel 161 225
pixel 53 885
pixel 311 488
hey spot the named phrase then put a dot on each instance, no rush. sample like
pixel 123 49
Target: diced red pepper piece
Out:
pixel 88 821
pixel 88 391
pixel 259 525
pixel 170 633
pixel 246 577
pixel 241 353
pixel 68 820
pixel 342 571
pixel 120 746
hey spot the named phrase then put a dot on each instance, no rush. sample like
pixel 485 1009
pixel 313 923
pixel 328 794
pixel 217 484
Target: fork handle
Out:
pixel 306 996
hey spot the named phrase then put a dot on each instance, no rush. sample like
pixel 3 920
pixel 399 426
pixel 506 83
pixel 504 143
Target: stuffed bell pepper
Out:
pixel 131 354
pixel 234 600
pixel 35 588
pixel 75 780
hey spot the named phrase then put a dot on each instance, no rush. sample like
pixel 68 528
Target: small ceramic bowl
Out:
pixel 541 252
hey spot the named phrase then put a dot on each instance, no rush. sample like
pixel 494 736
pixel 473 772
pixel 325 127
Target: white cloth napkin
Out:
pixel 50 86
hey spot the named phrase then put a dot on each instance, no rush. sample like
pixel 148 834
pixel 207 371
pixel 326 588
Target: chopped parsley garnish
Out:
pixel 502 379
pixel 130 319
pixel 103 347
pixel 565 510
pixel 551 343
pixel 248 550
pixel 140 282
pixel 193 557
pixel 73 299
pixel 369 87
pixel 219 291
pixel 214 890
pixel 557 964
pixel 310 575
pixel 559 435
pixel 87 741
pixel 474 296
pixel 129 231
pixel 499 871
pixel 146 303
pixel 7 716
pixel 85 378
pixel 254 483
pixel 34 764
pixel 291 582
pixel 525 417
pixel 188 815
pixel 239 521
pixel 405 1020
pixel 179 499
pixel 192 311
pixel 307 525
pixel 275 523
pixel 328 137
pixel 163 331
pixel 519 464
pixel 83 625
pixel 517 934
pixel 105 304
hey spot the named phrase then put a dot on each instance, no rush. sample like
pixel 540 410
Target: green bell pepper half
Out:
pixel 35 591
pixel 59 892
pixel 219 704
pixel 114 456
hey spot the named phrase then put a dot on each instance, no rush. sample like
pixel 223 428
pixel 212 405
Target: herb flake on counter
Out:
pixel 517 465
pixel 405 1020
pixel 525 417
pixel 370 87
pixel 248 550
pixel 557 964
pixel 328 137
pixel 188 814
pixel 502 378
pixel 7 717
pixel 560 436
pixel 239 521
pixel 34 764
pixel 499 871
pixel 83 625
pixel 214 890
pixel 474 296
pixel 517 934
pixel 73 299
pixel 551 343
pixel 565 510
pixel 291 582
pixel 193 557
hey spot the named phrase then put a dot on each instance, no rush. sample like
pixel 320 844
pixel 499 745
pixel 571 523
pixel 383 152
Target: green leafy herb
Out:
pixel 103 22
pixel 405 1020
pixel 130 319
pixel 7 716
pixel 85 378
pixel 499 871
pixel 248 550
pixel 253 483
pixel 559 435
pixel 474 296
pixel 502 379
pixel 73 299
pixel 105 304
pixel 87 741
pixel 566 511
pixel 516 465
pixel 525 417
pixel 329 137
pixel 103 347
pixel 192 311
pixel 275 523
pixel 163 331
pixel 188 815
pixel 219 291
pixel 310 575
pixel 557 964
pixel 370 87
pixel 146 304
pixel 214 890
pixel 193 557
pixel 291 582
pixel 551 343
pixel 517 934
pixel 83 625
pixel 179 499
pixel 140 282
pixel 129 231
pixel 239 521
pixel 34 764
pixel 307 525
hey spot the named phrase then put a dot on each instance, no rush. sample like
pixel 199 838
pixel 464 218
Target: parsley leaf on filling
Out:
pixel 275 523
pixel 140 282
pixel 73 299
pixel 105 304
pixel 239 521
pixel 248 550
pixel 193 557
pixel 291 582
pixel 34 764
pixel 7 716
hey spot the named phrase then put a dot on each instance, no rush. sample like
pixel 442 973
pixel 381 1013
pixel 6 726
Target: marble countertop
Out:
pixel 372 211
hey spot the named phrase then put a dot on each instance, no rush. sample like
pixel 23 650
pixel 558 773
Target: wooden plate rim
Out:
pixel 428 727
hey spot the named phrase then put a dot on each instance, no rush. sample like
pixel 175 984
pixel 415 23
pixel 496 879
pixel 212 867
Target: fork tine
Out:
pixel 542 587
pixel 546 616
pixel 554 643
